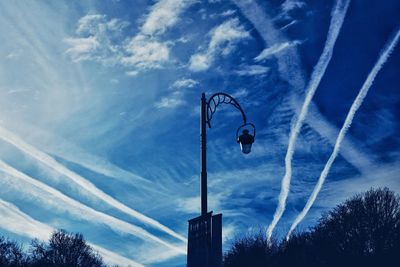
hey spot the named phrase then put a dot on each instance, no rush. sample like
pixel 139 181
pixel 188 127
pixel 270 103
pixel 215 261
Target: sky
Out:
pixel 99 117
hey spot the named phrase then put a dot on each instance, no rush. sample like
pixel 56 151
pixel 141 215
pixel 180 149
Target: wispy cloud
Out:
pixel 228 12
pixel 185 83
pixel 82 48
pixel 346 125
pixel 338 15
pixel 385 175
pixel 99 39
pixel 59 201
pixel 276 48
pixel 251 70
pixel 22 224
pixel 172 101
pixel 145 53
pixel 240 93
pixel 289 62
pixel 163 15
pixel 223 40
pixel 351 152
pixel 176 98
pixel 293 22
pixel 289 5
pixel 66 150
pixel 89 187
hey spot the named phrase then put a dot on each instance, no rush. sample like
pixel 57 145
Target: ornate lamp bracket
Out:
pixel 221 98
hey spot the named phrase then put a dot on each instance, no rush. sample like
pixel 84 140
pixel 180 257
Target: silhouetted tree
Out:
pixel 363 231
pixel 64 250
pixel 298 251
pixel 252 250
pixel 11 254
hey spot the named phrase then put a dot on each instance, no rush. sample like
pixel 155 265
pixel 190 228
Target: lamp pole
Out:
pixel 203 157
pixel 205 231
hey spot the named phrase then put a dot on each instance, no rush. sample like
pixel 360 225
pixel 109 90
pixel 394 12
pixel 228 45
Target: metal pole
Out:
pixel 203 159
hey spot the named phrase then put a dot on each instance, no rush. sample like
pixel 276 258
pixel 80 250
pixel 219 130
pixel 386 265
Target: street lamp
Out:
pixel 205 231
pixel 208 108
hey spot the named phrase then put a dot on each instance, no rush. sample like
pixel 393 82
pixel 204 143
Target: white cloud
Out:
pixel 100 38
pixel 275 49
pixel 176 98
pixel 199 62
pixel 90 23
pixel 145 53
pixel 289 5
pixel 248 70
pixel 146 50
pixel 223 40
pixel 97 24
pixel 132 73
pixel 82 48
pixel 172 101
pixel 228 13
pixel 164 14
pixel 185 83
pixel 228 32
pixel 117 25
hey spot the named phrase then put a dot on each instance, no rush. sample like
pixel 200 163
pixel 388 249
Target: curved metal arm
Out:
pixel 219 98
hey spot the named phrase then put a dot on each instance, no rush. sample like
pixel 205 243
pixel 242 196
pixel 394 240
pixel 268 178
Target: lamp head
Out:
pixel 245 140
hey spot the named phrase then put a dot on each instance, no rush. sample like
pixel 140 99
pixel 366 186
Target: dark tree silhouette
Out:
pixel 11 254
pixel 299 250
pixel 252 250
pixel 64 250
pixel 363 231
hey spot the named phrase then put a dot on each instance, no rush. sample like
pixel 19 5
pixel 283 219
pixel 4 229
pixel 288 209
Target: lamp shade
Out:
pixel 245 140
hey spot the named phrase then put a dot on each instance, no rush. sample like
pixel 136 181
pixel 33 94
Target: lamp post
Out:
pixel 205 231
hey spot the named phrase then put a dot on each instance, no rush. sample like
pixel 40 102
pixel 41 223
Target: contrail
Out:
pixel 80 209
pixel 291 70
pixel 346 125
pixel 21 223
pixel 338 15
pixel 82 182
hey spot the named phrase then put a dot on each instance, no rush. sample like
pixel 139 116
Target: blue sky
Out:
pixel 99 116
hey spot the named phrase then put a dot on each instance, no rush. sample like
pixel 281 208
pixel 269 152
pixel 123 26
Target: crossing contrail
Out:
pixel 21 223
pixel 346 125
pixel 52 196
pixel 82 182
pixel 338 15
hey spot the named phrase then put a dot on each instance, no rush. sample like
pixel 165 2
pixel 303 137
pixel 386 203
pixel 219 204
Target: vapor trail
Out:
pixel 346 125
pixel 21 223
pixel 80 209
pixel 82 182
pixel 338 15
